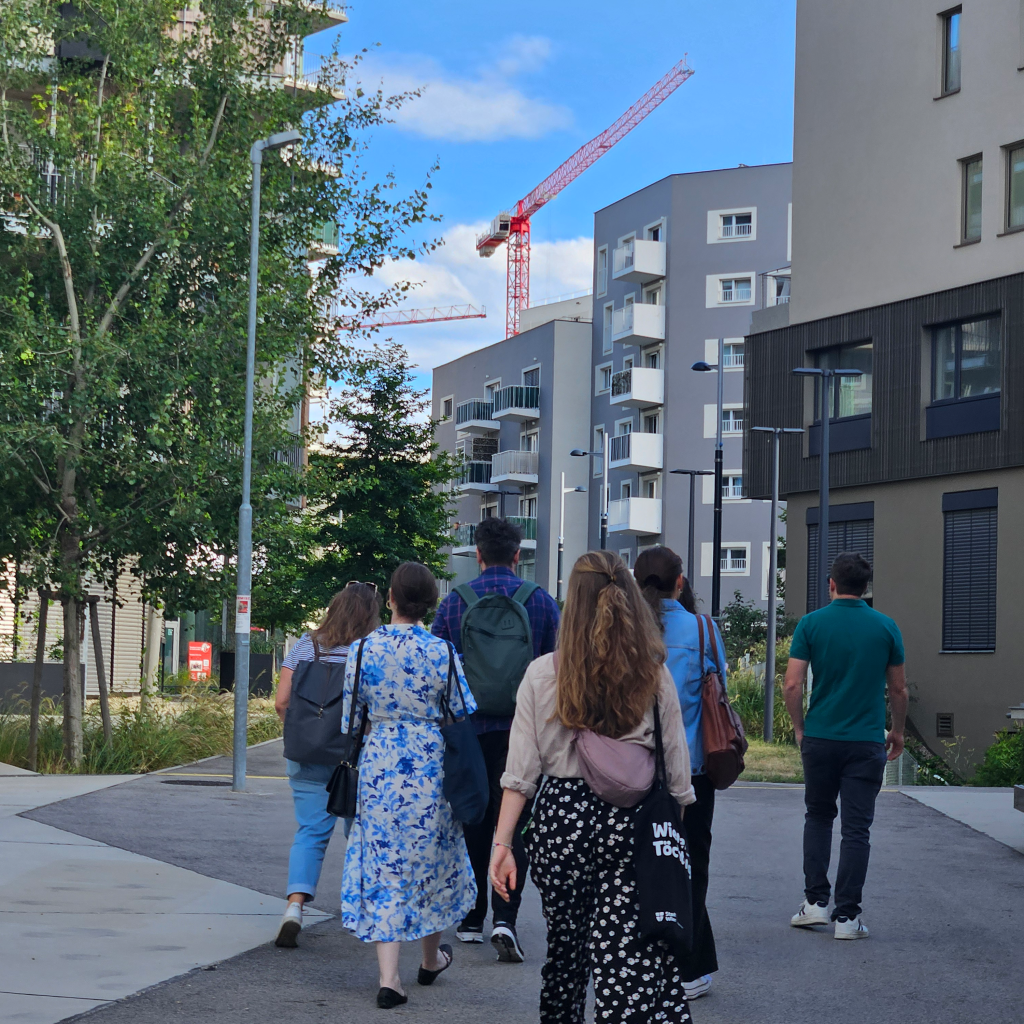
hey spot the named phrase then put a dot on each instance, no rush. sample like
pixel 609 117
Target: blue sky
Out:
pixel 512 89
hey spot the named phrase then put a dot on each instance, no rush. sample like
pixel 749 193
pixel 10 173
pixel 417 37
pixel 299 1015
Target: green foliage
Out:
pixel 381 491
pixel 746 694
pixel 158 733
pixel 1003 764
pixel 744 626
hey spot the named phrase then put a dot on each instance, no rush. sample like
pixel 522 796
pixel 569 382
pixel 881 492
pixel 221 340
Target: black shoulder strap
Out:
pixel 659 747
pixel 714 645
pixel 316 647
pixel 453 674
pixel 700 634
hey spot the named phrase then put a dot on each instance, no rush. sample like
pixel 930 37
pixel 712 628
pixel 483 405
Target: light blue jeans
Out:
pixel 316 825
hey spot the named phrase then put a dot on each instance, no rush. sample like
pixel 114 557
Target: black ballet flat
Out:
pixel 388 998
pixel 426 977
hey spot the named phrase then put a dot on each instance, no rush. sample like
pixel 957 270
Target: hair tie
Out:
pixel 654 580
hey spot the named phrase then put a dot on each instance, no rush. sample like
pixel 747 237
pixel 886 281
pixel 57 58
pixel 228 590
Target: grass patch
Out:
pixel 772 762
pixel 147 735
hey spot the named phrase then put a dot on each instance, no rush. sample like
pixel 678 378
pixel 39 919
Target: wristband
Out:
pixel 496 843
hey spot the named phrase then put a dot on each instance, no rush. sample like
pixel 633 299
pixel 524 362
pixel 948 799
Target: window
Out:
pixel 850 528
pixel 447 407
pixel 734 559
pixel 598 460
pixel 627 362
pixel 732 421
pixel 733 355
pixel 602 270
pixel 654 234
pixel 624 427
pixel 531 377
pixel 527 567
pixel 736 225
pixel 966 360
pixel 851 396
pixel 652 421
pixel 529 442
pixel 602 379
pixel 528 507
pixel 652 296
pixel 606 327
pixel 652 360
pixel 969 570
pixel 625 490
pixel 626 555
pixel 1015 188
pixel 488 511
pixel 970 228
pixel 732 486
pixel 649 487
pixel 951 52
pixel 735 289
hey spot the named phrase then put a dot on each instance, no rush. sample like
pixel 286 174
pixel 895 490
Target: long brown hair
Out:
pixel 657 571
pixel 353 613
pixel 610 652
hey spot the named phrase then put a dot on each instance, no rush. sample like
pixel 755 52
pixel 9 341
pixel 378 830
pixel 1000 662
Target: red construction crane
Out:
pixel 397 317
pixel 514 225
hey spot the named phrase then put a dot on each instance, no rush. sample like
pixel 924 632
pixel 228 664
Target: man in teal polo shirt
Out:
pixel 855 654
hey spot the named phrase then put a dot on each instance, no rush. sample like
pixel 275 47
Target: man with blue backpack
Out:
pixel 498 624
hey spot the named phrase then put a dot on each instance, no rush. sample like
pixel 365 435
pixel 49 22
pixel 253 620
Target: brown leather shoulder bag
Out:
pixel 724 740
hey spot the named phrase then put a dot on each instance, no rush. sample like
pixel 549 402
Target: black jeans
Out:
pixel 853 772
pixel 479 838
pixel 697 819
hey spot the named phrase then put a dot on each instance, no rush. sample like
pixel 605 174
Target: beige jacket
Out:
pixel 540 745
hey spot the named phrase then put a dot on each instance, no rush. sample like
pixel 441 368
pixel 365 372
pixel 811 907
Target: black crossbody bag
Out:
pixel 343 787
pixel 465 773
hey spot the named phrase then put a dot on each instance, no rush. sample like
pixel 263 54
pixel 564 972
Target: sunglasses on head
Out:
pixel 360 583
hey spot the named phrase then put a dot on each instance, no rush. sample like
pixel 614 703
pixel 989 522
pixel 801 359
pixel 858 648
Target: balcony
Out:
pixel 641 516
pixel 637 451
pixel 517 402
pixel 528 526
pixel 325 241
pixel 475 478
pixel 638 387
pixel 476 415
pixel 464 539
pixel 639 261
pixel 638 323
pixel 514 467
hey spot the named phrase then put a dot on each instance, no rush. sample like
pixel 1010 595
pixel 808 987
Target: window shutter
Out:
pixel 850 535
pixel 969 580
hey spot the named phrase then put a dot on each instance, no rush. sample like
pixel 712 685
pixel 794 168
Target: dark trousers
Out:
pixel 697 820
pixel 479 838
pixel 853 772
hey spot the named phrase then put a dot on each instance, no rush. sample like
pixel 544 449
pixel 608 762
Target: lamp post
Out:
pixel 773 568
pixel 691 473
pixel 243 598
pixel 580 453
pixel 561 532
pixel 826 376
pixel 716 547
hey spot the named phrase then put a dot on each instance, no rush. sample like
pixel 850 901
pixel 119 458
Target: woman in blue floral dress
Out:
pixel 407 872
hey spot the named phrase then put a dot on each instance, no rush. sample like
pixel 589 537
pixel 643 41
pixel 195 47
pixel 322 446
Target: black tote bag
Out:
pixel 465 773
pixel 343 786
pixel 662 862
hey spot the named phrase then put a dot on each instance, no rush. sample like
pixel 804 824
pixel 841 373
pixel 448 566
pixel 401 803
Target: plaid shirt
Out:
pixel 540 607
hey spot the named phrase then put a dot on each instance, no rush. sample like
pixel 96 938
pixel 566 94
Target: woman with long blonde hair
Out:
pixel 605 678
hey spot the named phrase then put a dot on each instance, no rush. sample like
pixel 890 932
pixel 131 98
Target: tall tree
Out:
pixel 124 183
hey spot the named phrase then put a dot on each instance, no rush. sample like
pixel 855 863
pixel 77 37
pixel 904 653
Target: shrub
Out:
pixel 746 693
pixel 1003 764
pixel 745 627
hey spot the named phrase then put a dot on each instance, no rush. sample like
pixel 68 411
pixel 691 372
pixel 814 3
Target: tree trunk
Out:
pixel 72 681
pixel 152 654
pixel 101 677
pixel 37 682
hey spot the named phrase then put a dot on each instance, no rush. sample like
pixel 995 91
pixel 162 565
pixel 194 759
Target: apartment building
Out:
pixel 908 251
pixel 678 265
pixel 512 412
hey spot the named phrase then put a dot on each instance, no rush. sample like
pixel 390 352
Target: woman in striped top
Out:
pixel 353 613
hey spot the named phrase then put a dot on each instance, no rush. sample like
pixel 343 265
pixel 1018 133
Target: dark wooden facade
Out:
pixel 900 333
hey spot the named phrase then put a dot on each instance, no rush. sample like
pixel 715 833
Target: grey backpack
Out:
pixel 497 646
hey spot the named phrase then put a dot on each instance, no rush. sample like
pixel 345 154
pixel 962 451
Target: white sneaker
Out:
pixel 291 925
pixel 809 915
pixel 851 928
pixel 697 988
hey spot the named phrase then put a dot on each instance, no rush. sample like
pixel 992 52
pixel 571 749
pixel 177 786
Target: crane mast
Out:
pixel 513 225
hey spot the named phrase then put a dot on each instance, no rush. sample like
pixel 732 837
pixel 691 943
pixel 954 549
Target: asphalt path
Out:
pixel 945 905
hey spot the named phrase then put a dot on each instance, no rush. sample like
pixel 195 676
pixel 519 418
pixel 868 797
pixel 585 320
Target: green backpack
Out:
pixel 497 646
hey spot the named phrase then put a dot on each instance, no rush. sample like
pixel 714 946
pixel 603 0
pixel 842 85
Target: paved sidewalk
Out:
pixel 989 811
pixel 83 923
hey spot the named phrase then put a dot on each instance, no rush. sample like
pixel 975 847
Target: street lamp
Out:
pixel 243 598
pixel 826 376
pixel 773 568
pixel 561 532
pixel 716 547
pixel 580 453
pixel 691 473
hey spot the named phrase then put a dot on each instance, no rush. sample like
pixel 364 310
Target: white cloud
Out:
pixel 455 275
pixel 484 108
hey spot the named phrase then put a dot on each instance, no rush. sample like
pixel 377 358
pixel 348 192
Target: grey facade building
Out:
pixel 908 251
pixel 678 265
pixel 512 411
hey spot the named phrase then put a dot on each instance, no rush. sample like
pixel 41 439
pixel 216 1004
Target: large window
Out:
pixel 966 360
pixel 851 396
pixel 951 51
pixel 971 225
pixel 732 421
pixel 733 355
pixel 850 528
pixel 602 270
pixel 737 225
pixel 732 486
pixel 736 289
pixel 1015 188
pixel 969 570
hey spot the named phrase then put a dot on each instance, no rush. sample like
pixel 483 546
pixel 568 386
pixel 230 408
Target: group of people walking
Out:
pixel 626 661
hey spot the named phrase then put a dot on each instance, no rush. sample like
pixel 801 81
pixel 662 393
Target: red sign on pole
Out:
pixel 200 660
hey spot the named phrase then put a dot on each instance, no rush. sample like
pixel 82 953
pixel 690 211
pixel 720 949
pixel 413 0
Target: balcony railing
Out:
pixel 464 536
pixel 736 230
pixel 639 386
pixel 623 258
pixel 474 473
pixel 517 396
pixel 527 524
pixel 515 463
pixel 476 409
pixel 622 383
pixel 637 449
pixel 734 564
pixel 620 448
pixel 639 260
pixel 325 236
pixel 635 515
pixel 638 320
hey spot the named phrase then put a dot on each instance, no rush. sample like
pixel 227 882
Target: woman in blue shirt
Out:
pixel 659 571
